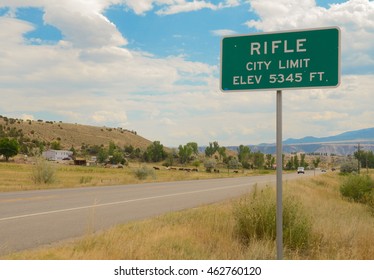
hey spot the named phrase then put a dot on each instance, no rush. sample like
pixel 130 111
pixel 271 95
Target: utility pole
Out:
pixel 358 158
pixel 367 168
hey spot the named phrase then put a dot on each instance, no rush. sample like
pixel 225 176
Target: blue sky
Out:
pixel 188 34
pixel 153 66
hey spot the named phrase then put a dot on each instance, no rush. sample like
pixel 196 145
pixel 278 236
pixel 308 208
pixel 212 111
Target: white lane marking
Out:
pixel 119 202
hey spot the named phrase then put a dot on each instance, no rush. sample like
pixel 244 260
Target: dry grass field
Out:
pixel 340 229
pixel 18 176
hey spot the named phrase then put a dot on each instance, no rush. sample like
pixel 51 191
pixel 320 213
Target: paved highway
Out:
pixel 34 218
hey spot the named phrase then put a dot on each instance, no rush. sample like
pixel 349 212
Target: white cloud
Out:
pixel 329 116
pixel 82 23
pixel 223 32
pixel 169 7
pixel 113 116
pixel 354 17
pixel 141 6
pixel 27 117
pixel 285 14
pixel 12 31
pixel 231 3
pixel 90 77
pixel 89 83
pixel 183 6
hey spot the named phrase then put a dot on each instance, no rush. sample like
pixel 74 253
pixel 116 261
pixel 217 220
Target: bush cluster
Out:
pixel 348 167
pixel 43 172
pixel 358 188
pixel 143 172
pixel 255 217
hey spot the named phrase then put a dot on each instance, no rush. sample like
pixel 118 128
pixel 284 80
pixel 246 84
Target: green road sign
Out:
pixel 282 60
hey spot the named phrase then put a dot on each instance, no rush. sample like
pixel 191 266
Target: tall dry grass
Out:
pixel 339 230
pixel 255 216
pixel 43 172
pixel 343 229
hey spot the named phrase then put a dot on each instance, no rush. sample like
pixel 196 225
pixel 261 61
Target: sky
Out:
pixel 153 66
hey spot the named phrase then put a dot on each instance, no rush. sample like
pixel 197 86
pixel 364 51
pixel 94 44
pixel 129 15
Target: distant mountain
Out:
pixel 356 135
pixel 342 144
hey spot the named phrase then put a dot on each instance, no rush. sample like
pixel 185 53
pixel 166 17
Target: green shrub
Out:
pixel 43 172
pixel 359 188
pixel 348 167
pixel 85 179
pixel 255 217
pixel 143 172
pixel 210 164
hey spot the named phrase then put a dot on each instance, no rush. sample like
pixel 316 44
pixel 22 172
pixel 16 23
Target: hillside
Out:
pixel 70 134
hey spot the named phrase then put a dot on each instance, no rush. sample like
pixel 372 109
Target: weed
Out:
pixel 255 217
pixel 43 172
pixel 143 172
pixel 357 188
pixel 85 179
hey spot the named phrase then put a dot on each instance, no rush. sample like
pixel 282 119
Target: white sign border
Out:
pixel 281 32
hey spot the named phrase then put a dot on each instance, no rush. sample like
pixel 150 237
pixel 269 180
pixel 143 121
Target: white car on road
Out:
pixel 300 170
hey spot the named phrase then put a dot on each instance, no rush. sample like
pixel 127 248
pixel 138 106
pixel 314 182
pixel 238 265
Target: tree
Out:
pixel 211 149
pixel 222 153
pixel 112 147
pixel 117 157
pixel 8 147
pixel 129 149
pixel 210 164
pixel 56 145
pixel 72 149
pixel 366 158
pixel 296 162
pixel 270 160
pixel 244 155
pixel 170 158
pixel 132 152
pixel 93 150
pixel 233 163
pixel 155 152
pixel 258 160
pixel 289 164
pixel 102 155
pixel 302 160
pixel 316 162
pixel 194 146
pixel 185 152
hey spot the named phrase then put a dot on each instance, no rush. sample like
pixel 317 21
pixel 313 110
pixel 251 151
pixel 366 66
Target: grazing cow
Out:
pixel 156 168
pixel 195 169
pixel 216 170
pixel 236 171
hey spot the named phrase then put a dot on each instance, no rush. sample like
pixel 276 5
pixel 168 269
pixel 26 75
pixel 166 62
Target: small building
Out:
pixel 57 155
pixel 80 161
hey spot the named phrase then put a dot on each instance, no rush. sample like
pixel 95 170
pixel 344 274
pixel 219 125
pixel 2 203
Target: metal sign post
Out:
pixel 279 213
pixel 295 59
